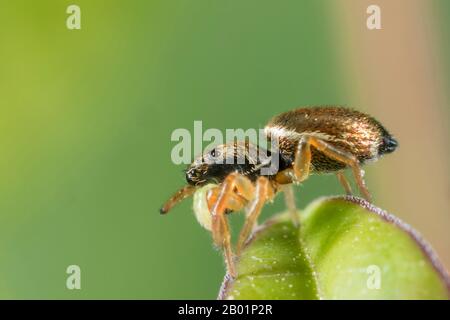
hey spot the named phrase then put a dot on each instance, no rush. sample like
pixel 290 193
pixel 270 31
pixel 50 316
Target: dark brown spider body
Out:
pixel 310 140
pixel 215 165
pixel 347 130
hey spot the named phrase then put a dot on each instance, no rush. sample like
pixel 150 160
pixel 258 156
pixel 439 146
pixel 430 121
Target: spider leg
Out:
pixel 264 191
pixel 235 202
pixel 180 195
pixel 302 160
pixel 220 228
pixel 298 173
pixel 344 182
pixel 341 156
pixel 289 199
pixel 285 177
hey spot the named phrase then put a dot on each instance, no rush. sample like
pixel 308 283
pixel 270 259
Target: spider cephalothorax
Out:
pixel 216 164
pixel 319 139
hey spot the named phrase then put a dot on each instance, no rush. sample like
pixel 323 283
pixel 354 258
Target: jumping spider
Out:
pixel 310 140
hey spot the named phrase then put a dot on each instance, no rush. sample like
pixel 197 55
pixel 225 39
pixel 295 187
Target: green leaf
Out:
pixel 345 248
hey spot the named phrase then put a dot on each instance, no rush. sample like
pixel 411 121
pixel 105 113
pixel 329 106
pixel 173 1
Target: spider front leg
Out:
pixel 301 165
pixel 264 192
pixel 179 196
pixel 226 199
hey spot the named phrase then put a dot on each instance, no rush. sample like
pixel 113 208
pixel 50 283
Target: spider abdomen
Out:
pixel 347 130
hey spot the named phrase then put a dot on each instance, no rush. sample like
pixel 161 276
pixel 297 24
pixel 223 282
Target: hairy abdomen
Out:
pixel 348 130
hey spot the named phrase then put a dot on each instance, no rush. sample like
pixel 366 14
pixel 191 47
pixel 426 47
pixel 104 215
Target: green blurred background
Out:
pixel 86 118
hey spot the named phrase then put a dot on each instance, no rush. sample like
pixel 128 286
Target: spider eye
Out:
pixel 213 153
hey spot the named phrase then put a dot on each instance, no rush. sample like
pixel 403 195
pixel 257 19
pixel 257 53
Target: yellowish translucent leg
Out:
pixel 179 196
pixel 302 161
pixel 264 192
pixel 220 228
pixel 289 198
pixel 344 157
pixel 344 182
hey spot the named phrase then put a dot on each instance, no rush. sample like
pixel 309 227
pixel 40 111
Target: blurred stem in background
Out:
pixel 398 74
